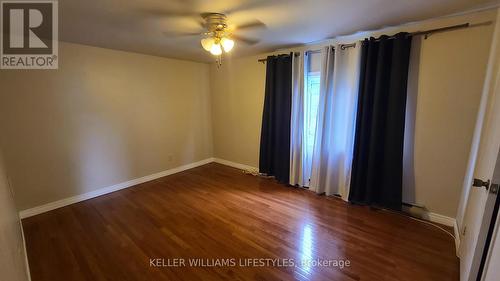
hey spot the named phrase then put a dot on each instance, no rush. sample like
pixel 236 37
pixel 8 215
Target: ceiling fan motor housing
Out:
pixel 215 22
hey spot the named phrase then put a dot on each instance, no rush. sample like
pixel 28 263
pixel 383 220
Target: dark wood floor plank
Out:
pixel 216 211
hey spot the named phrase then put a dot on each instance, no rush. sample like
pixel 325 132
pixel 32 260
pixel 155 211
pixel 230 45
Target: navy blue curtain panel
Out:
pixel 274 157
pixel 377 169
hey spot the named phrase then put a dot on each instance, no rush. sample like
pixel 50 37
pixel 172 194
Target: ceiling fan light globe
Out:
pixel 216 50
pixel 207 43
pixel 227 44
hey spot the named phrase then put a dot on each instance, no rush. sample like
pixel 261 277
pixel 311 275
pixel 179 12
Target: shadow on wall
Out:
pixel 410 120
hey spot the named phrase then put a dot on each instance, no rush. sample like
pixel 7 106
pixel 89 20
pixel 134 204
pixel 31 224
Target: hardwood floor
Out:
pixel 217 212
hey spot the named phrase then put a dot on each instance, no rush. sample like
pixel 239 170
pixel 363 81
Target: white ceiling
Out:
pixel 138 26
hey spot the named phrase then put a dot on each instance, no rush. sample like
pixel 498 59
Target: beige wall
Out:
pixel 12 256
pixel 451 69
pixel 237 90
pixel 103 118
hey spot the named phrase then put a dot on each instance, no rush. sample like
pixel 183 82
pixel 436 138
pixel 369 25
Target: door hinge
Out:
pixel 494 188
pixel 481 183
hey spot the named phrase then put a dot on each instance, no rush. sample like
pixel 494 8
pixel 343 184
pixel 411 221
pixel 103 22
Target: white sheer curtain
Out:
pixel 297 163
pixel 334 142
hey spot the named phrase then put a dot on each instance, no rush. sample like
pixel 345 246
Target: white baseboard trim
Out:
pixel 105 190
pixel 437 218
pixel 236 165
pixel 433 217
pixel 422 213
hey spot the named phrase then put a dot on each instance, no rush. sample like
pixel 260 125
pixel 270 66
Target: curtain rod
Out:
pixel 297 54
pixel 426 33
pixel 442 29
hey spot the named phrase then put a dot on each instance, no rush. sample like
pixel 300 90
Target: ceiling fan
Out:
pixel 218 36
pixel 218 33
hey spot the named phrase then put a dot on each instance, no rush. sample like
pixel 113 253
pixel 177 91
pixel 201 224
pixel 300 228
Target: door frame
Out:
pixel 488 247
pixel 490 223
pixel 487 227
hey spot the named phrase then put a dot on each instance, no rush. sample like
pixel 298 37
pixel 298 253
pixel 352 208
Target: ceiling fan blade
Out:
pixel 252 24
pixel 247 5
pixel 167 13
pixel 245 40
pixel 251 4
pixel 181 34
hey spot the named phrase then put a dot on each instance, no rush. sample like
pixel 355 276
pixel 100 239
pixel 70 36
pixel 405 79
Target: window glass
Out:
pixel 311 95
pixel 311 102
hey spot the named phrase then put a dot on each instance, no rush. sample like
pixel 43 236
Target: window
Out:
pixel 311 96
pixel 311 102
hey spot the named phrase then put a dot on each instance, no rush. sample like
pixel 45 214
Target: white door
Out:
pixel 488 225
pixel 492 270
pixel 489 269
pixel 480 202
